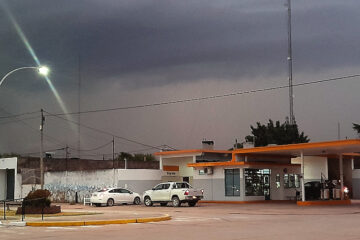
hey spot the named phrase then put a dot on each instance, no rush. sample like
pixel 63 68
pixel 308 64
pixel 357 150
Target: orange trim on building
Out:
pixel 299 146
pixel 324 203
pixel 269 148
pixel 171 168
pixel 231 163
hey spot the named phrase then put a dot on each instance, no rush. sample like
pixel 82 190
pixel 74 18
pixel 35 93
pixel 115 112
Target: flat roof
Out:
pixel 191 151
pixel 350 147
pixel 309 149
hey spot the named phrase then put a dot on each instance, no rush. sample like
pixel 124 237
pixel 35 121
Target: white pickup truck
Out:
pixel 175 192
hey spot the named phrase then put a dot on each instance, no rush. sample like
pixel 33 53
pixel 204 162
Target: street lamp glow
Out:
pixel 43 70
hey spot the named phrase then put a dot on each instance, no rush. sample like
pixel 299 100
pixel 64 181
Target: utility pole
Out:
pixel 113 151
pixel 291 93
pixel 79 105
pixel 113 160
pixel 66 156
pixel 41 149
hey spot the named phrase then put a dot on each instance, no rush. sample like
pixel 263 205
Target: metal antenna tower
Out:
pixel 291 93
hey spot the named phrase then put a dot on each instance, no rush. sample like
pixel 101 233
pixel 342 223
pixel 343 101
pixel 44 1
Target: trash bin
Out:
pixel 336 193
pixel 326 194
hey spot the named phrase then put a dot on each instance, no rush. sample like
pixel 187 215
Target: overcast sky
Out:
pixel 138 52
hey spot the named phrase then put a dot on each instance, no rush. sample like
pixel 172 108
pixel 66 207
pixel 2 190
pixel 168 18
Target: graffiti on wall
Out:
pixel 70 192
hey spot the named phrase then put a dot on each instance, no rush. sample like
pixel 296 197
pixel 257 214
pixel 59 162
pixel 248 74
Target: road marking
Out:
pixel 91 226
pixel 61 228
pixel 194 219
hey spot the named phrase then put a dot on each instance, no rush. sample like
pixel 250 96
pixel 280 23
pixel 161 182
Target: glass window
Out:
pixel 356 163
pixel 277 180
pixel 291 180
pixel 254 182
pixel 112 191
pixel 181 185
pixel 158 187
pixel 232 182
pixel 124 191
pixel 166 186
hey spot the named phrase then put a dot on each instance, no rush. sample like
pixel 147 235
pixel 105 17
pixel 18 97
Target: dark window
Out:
pixel 166 186
pixel 254 182
pixel 112 191
pixel 291 180
pixel 181 185
pixel 356 163
pixel 158 187
pixel 232 182
pixel 124 191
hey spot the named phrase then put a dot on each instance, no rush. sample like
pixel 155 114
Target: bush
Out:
pixel 38 198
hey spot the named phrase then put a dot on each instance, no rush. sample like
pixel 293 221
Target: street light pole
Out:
pixel 43 70
pixel 42 149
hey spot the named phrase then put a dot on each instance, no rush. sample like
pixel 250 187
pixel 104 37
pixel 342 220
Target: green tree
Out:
pixel 277 133
pixel 356 127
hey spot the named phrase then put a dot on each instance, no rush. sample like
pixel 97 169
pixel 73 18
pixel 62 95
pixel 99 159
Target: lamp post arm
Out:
pixel 15 70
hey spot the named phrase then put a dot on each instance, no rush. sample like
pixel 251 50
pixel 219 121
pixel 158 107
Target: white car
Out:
pixel 111 196
pixel 175 192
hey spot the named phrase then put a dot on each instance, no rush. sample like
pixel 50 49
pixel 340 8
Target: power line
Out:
pixel 29 126
pixel 51 150
pixel 18 120
pixel 18 115
pixel 87 150
pixel 102 131
pixel 208 97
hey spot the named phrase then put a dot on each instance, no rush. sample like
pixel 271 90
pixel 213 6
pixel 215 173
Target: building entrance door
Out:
pixel 266 181
pixel 10 183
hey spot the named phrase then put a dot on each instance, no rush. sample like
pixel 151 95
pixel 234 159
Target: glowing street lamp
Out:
pixel 43 70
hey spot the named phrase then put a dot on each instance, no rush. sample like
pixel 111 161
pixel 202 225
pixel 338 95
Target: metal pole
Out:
pixel 113 158
pixel 113 151
pixel 41 149
pixel 291 94
pixel 341 176
pixel 302 177
pixel 79 106
pixel 4 210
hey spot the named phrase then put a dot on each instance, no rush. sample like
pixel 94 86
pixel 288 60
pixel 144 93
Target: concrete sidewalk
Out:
pixel 92 216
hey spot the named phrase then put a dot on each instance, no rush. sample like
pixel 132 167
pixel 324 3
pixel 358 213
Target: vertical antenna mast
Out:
pixel 79 103
pixel 291 94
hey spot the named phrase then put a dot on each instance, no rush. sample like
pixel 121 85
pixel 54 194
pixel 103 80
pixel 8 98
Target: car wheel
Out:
pixel 176 201
pixel 163 204
pixel 110 202
pixel 192 204
pixel 148 202
pixel 137 201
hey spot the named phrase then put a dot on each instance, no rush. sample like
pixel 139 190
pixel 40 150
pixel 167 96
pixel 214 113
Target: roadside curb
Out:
pixel 98 222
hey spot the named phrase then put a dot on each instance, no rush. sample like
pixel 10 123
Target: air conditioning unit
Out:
pixel 208 170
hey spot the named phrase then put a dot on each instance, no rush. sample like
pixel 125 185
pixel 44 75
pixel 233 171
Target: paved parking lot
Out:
pixel 212 221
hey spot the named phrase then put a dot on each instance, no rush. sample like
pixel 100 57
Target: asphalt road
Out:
pixel 213 221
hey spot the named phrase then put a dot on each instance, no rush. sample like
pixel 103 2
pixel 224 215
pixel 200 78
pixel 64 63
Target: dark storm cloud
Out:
pixel 169 41
pixel 136 52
